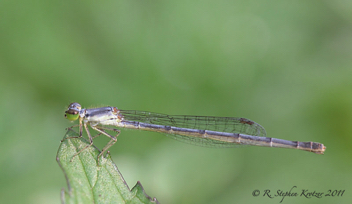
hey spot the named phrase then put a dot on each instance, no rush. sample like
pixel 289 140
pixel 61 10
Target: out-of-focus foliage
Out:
pixel 284 64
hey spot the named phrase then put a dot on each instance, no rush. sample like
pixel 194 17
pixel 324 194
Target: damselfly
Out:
pixel 199 130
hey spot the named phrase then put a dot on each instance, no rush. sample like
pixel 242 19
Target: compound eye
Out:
pixel 73 111
pixel 71 115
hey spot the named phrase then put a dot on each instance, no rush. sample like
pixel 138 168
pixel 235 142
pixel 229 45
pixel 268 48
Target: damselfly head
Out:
pixel 72 112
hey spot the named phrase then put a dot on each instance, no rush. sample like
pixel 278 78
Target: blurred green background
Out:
pixel 284 64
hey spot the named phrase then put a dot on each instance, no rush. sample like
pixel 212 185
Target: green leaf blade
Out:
pixel 89 183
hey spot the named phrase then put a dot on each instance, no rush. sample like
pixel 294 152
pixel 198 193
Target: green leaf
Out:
pixel 89 183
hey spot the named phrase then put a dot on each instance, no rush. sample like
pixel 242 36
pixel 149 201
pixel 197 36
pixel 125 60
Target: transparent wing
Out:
pixel 220 124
